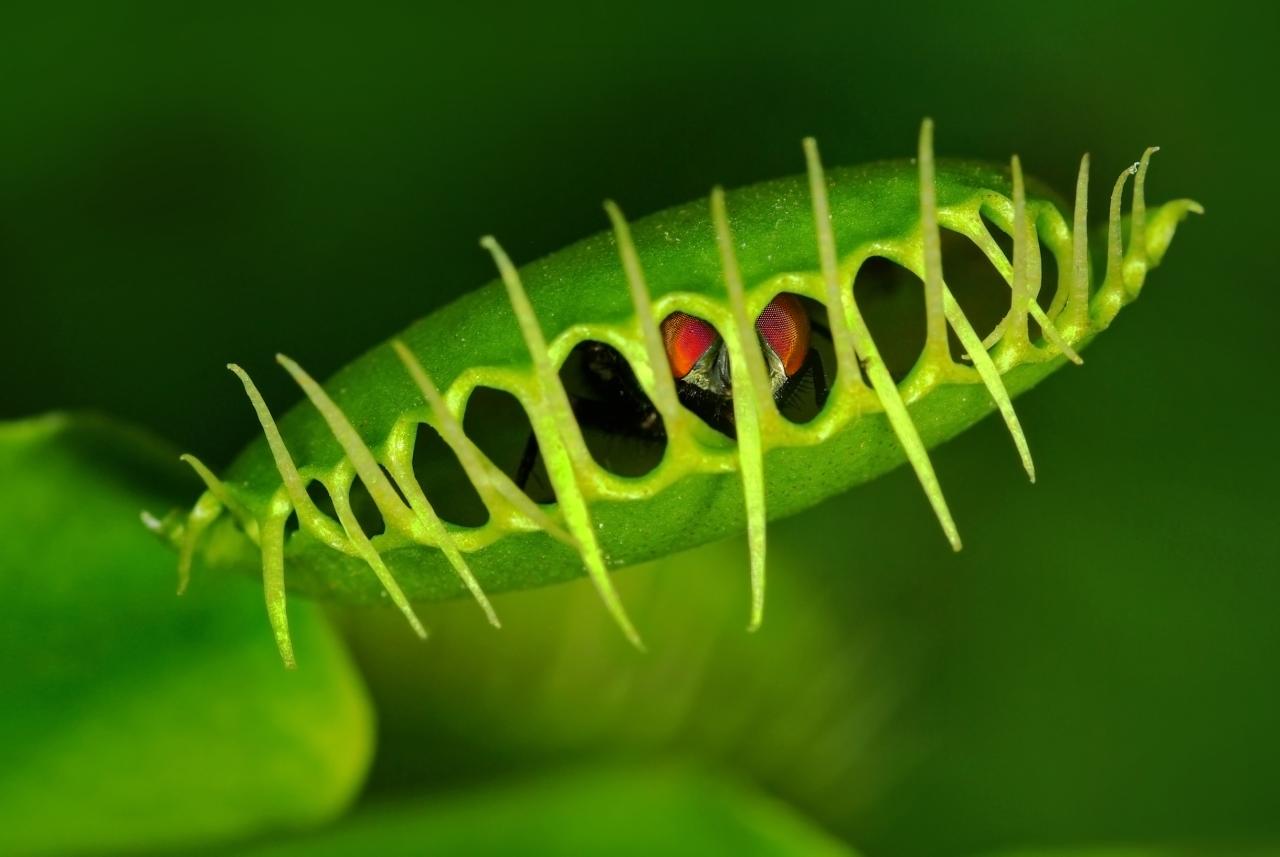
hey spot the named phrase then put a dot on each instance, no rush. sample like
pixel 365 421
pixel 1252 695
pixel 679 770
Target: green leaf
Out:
pixel 614 812
pixel 133 718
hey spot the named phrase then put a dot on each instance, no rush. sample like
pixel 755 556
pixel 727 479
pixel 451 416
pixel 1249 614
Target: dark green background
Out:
pixel 181 187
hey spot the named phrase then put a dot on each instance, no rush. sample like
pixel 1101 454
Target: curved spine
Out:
pixel 552 420
pixel 954 315
pixel 750 392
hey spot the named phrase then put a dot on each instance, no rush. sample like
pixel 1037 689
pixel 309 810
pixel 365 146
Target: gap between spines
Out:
pixel 494 486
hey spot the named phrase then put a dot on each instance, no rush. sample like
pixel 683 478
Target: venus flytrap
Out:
pixel 723 265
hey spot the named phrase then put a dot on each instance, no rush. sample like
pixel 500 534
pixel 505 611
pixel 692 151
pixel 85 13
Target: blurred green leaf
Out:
pixel 670 812
pixel 130 717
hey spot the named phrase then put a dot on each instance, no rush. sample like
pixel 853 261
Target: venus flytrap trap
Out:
pixel 690 331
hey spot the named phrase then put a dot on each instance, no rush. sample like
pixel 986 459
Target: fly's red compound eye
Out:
pixel 784 324
pixel 687 338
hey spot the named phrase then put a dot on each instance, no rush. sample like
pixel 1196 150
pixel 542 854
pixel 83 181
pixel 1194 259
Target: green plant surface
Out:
pixel 132 719
pixel 615 811
pixel 181 188
pixel 362 424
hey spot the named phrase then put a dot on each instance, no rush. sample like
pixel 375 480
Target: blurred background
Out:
pixel 181 187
